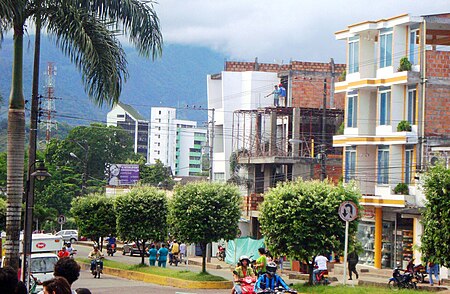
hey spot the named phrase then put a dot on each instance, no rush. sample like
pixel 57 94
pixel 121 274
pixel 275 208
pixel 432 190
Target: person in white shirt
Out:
pixel 322 265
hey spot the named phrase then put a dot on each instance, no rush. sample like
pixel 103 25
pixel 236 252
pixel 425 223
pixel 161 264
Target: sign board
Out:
pixel 122 174
pixel 348 211
pixel 61 219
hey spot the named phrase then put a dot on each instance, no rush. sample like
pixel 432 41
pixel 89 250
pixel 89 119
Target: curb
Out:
pixel 163 281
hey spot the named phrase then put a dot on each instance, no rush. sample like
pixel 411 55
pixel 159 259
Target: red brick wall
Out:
pixel 307 82
pixel 333 169
pixel 252 202
pixel 437 95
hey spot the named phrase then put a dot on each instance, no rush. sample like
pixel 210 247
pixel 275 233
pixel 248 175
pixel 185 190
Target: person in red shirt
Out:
pixel 63 252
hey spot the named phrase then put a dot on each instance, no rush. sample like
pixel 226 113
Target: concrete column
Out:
pixel 296 121
pixel 273 134
pixel 378 236
pixel 258 134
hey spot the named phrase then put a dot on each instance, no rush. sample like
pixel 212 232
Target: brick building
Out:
pixel 397 93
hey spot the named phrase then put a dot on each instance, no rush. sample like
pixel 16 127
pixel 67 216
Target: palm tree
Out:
pixel 87 32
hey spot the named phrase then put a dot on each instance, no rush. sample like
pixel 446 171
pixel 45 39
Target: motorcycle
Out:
pixel 173 259
pixel 322 278
pixel 110 249
pixel 420 272
pixel 97 268
pixel 220 253
pixel 247 284
pixel 277 290
pixel 402 281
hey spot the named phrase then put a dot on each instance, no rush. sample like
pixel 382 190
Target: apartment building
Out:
pixel 125 116
pixel 397 93
pixel 272 144
pixel 176 143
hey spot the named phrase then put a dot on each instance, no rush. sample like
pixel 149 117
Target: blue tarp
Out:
pixel 242 246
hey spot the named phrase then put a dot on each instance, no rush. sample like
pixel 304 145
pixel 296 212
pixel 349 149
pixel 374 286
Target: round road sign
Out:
pixel 348 211
pixel 61 219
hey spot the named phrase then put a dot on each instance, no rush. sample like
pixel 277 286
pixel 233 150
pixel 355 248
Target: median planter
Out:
pixel 162 280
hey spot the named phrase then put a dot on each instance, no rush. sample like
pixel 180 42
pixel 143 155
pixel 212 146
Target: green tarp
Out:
pixel 242 246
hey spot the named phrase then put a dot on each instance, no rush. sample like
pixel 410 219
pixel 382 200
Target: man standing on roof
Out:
pixel 276 95
pixel 283 100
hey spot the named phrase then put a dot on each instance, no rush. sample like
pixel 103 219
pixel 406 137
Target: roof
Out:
pixel 133 112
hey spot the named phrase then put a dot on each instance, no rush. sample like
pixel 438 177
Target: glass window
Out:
pixel 409 152
pixel 385 106
pixel 352 110
pixel 383 164
pixel 350 163
pixel 411 114
pixel 413 47
pixel 353 54
pixel 385 48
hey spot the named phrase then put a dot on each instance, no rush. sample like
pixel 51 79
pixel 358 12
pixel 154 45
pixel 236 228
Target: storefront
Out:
pixel 394 245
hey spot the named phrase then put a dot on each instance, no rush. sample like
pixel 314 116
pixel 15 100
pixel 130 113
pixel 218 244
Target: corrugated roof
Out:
pixel 131 111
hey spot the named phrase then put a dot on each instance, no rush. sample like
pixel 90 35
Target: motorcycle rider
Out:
pixel 63 252
pixel 322 265
pixel 96 254
pixel 242 271
pixel 70 249
pixel 270 279
pixel 111 242
pixel 174 252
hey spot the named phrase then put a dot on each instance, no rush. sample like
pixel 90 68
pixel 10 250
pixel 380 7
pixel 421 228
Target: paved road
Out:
pixel 83 251
pixel 113 285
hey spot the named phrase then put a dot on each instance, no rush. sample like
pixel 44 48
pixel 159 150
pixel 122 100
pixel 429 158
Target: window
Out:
pixel 409 152
pixel 219 177
pixel 352 110
pixel 383 164
pixel 159 112
pixel 385 106
pixel 411 111
pixel 385 48
pixel 413 47
pixel 350 163
pixel 120 115
pixel 353 54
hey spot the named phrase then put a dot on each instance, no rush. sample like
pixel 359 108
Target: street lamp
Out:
pixel 39 174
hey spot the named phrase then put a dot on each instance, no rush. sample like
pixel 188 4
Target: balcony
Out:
pixel 384 196
pixel 382 138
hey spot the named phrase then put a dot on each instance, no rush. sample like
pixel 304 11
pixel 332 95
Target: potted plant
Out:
pixel 405 64
pixel 404 126
pixel 401 189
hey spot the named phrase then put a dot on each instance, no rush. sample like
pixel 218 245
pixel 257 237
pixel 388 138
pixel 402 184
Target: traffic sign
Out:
pixel 61 219
pixel 348 211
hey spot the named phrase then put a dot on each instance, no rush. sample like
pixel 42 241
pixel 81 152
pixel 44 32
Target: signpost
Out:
pixel 348 211
pixel 61 220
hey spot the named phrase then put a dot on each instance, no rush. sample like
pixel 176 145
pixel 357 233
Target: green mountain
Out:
pixel 176 80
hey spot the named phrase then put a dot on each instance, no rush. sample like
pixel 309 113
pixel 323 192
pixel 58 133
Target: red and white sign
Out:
pixel 40 245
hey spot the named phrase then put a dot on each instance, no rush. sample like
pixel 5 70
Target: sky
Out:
pixel 277 31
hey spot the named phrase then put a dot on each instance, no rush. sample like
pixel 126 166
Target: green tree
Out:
pixel 94 215
pixel 86 31
pixel 156 175
pixel 205 212
pixel 436 217
pixel 300 219
pixel 142 216
pixel 2 214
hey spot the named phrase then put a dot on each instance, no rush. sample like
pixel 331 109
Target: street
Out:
pixel 113 285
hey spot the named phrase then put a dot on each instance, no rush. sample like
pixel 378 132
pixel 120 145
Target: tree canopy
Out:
pixel 142 216
pixel 94 215
pixel 436 217
pixel 156 175
pixel 205 212
pixel 300 219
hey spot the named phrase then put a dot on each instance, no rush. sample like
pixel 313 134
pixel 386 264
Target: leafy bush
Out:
pixel 404 126
pixel 401 189
pixel 340 130
pixel 405 64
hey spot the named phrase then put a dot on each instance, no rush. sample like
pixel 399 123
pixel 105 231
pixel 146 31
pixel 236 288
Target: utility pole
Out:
pixel 211 174
pixel 323 159
pixel 333 74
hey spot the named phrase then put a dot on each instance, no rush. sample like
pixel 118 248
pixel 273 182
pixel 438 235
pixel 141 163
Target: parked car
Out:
pixel 132 249
pixel 68 235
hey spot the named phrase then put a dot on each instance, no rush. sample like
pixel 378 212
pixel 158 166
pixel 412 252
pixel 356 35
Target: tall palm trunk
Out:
pixel 15 154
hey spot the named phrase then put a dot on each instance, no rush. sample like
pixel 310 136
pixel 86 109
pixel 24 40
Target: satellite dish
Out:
pixel 434 160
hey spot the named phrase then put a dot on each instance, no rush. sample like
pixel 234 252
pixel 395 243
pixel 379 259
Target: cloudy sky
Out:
pixel 277 31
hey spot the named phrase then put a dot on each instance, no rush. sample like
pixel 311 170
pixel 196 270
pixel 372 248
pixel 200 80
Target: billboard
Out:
pixel 122 174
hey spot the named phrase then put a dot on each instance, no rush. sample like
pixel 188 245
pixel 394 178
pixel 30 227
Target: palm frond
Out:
pixel 92 47
pixel 7 13
pixel 136 18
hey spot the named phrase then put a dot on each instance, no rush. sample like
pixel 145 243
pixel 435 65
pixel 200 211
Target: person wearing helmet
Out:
pixel 270 280
pixel 242 271
pixel 96 254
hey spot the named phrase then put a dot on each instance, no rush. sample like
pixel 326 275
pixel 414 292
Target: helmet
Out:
pixel 271 268
pixel 244 257
pixel 95 246
pixel 280 85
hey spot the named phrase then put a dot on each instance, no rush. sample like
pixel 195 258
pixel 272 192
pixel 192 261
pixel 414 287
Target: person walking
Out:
pixel 433 268
pixel 162 255
pixel 152 252
pixel 352 260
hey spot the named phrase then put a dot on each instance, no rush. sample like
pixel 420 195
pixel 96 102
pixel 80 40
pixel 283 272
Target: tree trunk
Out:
pixel 15 154
pixel 203 246
pixel 143 252
pixel 311 269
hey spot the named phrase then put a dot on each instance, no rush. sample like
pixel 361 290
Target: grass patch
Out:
pixel 341 289
pixel 166 272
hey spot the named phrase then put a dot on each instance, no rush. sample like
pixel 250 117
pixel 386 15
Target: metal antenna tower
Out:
pixel 48 107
